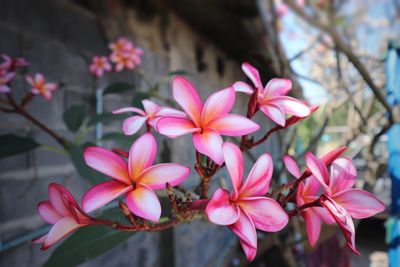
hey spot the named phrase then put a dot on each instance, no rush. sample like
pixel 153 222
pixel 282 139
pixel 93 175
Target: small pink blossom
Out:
pixel 247 208
pixel 340 201
pixel 150 115
pixel 272 99
pixel 99 66
pixel 11 64
pixel 5 79
pixel 121 45
pixel 63 212
pixel 39 86
pixel 207 123
pixel 136 179
pixel 125 54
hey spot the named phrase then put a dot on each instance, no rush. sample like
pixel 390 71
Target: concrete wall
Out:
pixel 59 38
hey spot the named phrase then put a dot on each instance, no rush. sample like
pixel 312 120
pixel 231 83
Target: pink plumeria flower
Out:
pixel 150 115
pixel 272 99
pixel 99 66
pixel 136 179
pixel 10 65
pixel 340 200
pixel 247 208
pixel 63 212
pixel 39 86
pixel 5 79
pixel 121 45
pixel 207 123
pixel 126 60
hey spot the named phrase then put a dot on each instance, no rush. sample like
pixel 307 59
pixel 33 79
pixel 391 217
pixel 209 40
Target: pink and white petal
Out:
pixel 311 186
pixel 30 80
pixel 150 107
pixel 275 113
pixel 142 154
pixel 48 213
pixel 291 166
pixel 277 87
pixel 324 215
pixel 102 194
pixel 133 124
pixel 233 125
pixel 249 250
pixel 291 105
pixel 174 127
pixel 4 89
pixel 143 202
pixel 170 112
pixel 35 91
pixel 358 203
pixel 266 214
pixel 46 94
pixel 39 78
pixel 243 87
pixel 107 162
pixel 51 86
pixel 7 77
pixel 244 228
pixel 220 210
pixel 39 239
pixel 156 177
pixel 58 199
pixel 187 97
pixel 209 143
pixel 218 104
pixel 61 229
pixel 259 178
pixel 253 75
pixel 343 175
pixel 343 220
pixel 129 109
pixel 319 170
pixel 313 225
pixel 329 157
pixel 234 163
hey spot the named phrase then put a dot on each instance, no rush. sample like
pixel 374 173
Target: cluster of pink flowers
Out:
pixel 124 55
pixel 37 82
pixel 248 207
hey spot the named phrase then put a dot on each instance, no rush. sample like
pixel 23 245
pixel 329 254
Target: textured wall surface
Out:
pixel 59 38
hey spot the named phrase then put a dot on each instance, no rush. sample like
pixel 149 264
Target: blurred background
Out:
pixel 343 55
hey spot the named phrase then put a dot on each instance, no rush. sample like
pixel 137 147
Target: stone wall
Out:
pixel 59 37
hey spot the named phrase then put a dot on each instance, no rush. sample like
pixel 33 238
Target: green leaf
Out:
pixel 88 243
pixel 106 117
pixel 74 116
pixel 11 145
pixel 137 99
pixel 76 154
pixel 178 72
pixel 118 87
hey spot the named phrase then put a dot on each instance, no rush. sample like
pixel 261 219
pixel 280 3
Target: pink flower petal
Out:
pixel 343 220
pixel 218 104
pixel 266 214
pixel 39 79
pixel 133 124
pixel 58 199
pixel 187 97
pixel 233 125
pixel 329 157
pixel 107 162
pixel 234 163
pixel 243 87
pixel 259 178
pixel 150 107
pixel 4 89
pixel 313 225
pixel 253 75
pixel 291 166
pixel 359 204
pixel 209 143
pixel 129 109
pixel 102 194
pixel 61 229
pixel 275 113
pixel 156 177
pixel 318 169
pixel 244 229
pixel 291 105
pixel 343 175
pixel 220 210
pixel 277 87
pixel 170 112
pixel 174 127
pixel 143 202
pixel 249 251
pixel 48 213
pixel 142 154
pixel 311 186
pixel 30 80
pixel 40 239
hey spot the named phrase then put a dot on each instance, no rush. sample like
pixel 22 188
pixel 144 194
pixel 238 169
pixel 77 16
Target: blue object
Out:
pixel 393 145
